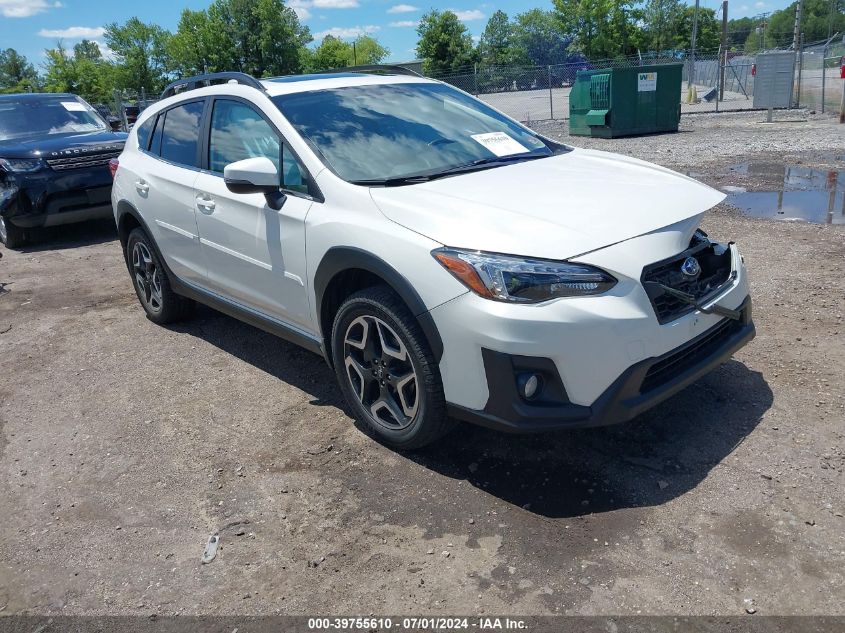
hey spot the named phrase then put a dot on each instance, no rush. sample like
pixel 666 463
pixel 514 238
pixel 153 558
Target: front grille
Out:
pixel 664 370
pixel 715 262
pixel 82 161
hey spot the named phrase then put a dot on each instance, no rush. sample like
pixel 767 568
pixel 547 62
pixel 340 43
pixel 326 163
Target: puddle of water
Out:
pixel 803 195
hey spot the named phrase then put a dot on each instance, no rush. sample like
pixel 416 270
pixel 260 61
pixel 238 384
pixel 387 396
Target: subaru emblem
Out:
pixel 691 268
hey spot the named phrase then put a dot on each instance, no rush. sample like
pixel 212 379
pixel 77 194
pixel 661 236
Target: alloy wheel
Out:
pixel 380 372
pixel 147 277
pixel 3 231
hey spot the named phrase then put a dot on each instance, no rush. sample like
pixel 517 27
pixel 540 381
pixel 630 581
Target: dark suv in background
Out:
pixel 54 163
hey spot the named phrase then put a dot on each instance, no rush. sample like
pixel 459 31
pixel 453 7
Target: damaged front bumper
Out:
pixel 50 198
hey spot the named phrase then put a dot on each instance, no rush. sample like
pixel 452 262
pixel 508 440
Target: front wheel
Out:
pixel 10 235
pixel 387 371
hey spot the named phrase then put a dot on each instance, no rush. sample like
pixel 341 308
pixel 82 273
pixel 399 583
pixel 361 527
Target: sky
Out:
pixel 30 26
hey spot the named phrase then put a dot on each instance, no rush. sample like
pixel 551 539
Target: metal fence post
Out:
pixel 475 78
pixel 824 72
pixel 551 99
pixel 800 68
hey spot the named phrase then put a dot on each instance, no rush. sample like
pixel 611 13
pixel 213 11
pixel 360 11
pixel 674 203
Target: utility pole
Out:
pixel 691 76
pixel 724 50
pixel 796 33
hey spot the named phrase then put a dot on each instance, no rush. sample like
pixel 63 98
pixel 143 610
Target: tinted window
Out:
pixel 155 145
pixel 295 176
pixel 46 116
pixel 144 133
pixel 181 134
pixel 238 132
pixel 399 130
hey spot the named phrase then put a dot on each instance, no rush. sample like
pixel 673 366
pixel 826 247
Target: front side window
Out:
pixel 238 132
pixel 378 132
pixel 47 116
pixel 181 132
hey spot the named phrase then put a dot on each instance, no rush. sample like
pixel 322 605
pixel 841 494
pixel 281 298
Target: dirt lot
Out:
pixel 123 445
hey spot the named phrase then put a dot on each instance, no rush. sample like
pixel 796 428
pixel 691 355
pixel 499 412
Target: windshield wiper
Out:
pixel 476 165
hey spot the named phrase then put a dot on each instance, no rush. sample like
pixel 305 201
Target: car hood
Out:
pixel 555 208
pixel 44 146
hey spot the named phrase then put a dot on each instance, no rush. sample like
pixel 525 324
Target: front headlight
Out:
pixel 521 279
pixel 21 164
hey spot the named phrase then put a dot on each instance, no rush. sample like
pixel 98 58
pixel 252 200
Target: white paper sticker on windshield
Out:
pixel 500 143
pixel 74 106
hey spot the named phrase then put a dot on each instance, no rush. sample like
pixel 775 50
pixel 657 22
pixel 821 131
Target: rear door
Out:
pixel 166 187
pixel 251 251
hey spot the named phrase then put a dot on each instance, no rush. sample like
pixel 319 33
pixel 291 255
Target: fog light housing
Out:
pixel 529 385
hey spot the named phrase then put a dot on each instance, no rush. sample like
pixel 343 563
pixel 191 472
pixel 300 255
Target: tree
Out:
pixel 497 46
pixel 601 28
pixel 661 19
pixel 368 50
pixel 332 52
pixel 445 44
pixel 538 36
pixel 820 19
pixel 16 73
pixel 709 33
pixel 196 47
pixel 259 37
pixel 141 52
pixel 85 72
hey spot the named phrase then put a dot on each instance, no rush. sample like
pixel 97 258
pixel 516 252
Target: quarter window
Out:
pixel 144 132
pixel 180 136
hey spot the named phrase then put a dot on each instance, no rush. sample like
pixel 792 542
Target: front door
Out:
pixel 254 254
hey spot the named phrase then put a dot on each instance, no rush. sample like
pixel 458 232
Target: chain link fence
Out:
pixel 818 83
pixel 536 93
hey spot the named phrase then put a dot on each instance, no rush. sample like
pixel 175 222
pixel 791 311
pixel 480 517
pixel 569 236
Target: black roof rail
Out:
pixel 374 69
pixel 199 81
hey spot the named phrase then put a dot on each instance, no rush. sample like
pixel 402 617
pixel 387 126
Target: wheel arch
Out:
pixel 345 270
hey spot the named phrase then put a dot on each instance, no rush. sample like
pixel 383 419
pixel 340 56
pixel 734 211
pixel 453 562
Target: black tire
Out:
pixel 152 286
pixel 10 235
pixel 370 310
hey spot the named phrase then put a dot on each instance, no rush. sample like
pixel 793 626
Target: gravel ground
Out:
pixel 124 445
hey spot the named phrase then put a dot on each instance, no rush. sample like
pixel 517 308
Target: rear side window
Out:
pixel 180 136
pixel 144 133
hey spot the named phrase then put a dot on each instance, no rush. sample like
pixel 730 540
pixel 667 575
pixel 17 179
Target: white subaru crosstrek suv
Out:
pixel 448 262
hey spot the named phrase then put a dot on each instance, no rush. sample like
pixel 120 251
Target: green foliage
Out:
pixel 16 73
pixel 819 20
pixel 498 45
pixel 445 44
pixel 661 20
pixel 85 72
pixel 539 37
pixel 140 50
pixel 333 52
pixel 601 28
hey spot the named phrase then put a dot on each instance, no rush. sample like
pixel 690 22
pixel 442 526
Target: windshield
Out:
pixel 383 132
pixel 50 115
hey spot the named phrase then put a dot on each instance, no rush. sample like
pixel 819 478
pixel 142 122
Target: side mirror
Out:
pixel 255 175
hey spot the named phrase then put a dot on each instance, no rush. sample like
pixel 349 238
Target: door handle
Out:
pixel 142 187
pixel 205 203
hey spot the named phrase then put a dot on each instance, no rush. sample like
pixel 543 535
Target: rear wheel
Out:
pixel 386 370
pixel 10 235
pixel 161 304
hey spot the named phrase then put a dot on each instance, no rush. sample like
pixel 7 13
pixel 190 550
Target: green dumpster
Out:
pixel 623 101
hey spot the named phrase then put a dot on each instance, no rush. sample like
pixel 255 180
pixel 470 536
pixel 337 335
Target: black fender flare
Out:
pixel 340 258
